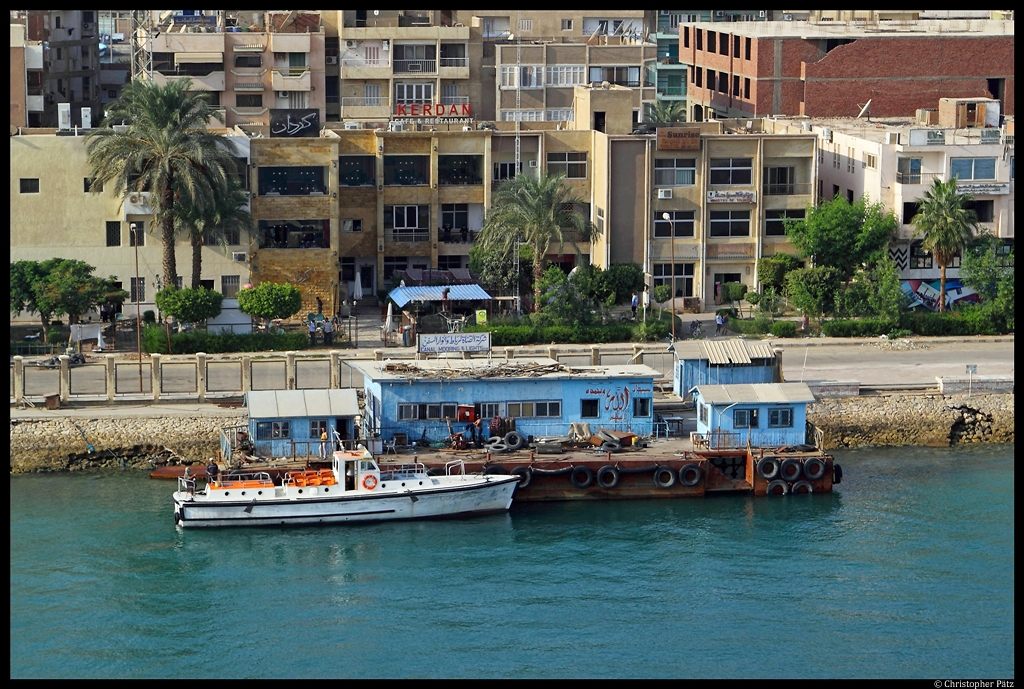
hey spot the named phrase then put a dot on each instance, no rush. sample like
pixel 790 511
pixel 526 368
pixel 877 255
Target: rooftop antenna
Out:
pixel 866 109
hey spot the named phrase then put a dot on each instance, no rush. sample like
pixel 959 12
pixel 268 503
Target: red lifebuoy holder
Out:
pixel 370 482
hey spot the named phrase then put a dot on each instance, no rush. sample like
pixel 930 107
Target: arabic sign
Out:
pixel 294 123
pixel 433 110
pixel 927 137
pixel 195 20
pixel 678 138
pixel 453 342
pixel 976 188
pixel 732 197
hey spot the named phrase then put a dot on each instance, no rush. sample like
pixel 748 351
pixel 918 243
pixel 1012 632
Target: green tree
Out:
pixel 843 235
pixel 193 305
pixel 622 279
pixel 59 286
pixel 947 225
pixel 984 267
pixel 814 289
pixel 165 148
pixel 886 298
pixel 270 300
pixel 772 270
pixel 496 271
pixel 666 111
pixel 25 277
pixel 208 224
pixel 538 212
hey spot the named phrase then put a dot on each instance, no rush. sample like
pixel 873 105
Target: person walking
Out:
pixel 634 303
pixel 328 332
pixel 725 324
pixel 718 324
pixel 312 333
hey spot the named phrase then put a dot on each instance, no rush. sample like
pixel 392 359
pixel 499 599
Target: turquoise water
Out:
pixel 905 571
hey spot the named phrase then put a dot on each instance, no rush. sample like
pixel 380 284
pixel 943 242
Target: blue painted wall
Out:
pixel 717 423
pixel 299 436
pixel 691 372
pixel 613 399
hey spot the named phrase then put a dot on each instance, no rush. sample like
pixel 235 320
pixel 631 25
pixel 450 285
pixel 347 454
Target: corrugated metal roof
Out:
pixel 763 393
pixel 724 351
pixel 403 295
pixel 291 404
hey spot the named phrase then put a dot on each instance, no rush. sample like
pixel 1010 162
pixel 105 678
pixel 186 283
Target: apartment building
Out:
pixel 26 84
pixel 833 68
pixel 263 69
pixel 896 160
pixel 58 216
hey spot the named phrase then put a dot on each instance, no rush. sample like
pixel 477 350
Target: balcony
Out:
pixel 188 43
pixel 462 235
pixel 917 177
pixel 731 252
pixel 407 236
pixel 214 81
pixel 415 66
pixel 290 79
pixel 290 42
pixel 249 86
pixel 365 108
pixel 454 68
pixel 359 68
pixel 787 189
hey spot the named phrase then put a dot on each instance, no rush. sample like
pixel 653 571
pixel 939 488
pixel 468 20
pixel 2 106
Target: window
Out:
pixel 231 236
pixel 849 195
pixel 139 234
pixel 908 170
pixel 352 225
pixel 780 418
pixel 869 161
pixel 371 95
pixel 723 82
pixel 526 25
pixel 138 289
pixel 427 412
pixel 565 75
pixel 457 170
pixel 711 41
pixel 983 209
pixel 267 430
pixel 317 427
pixel 449 262
pixel 292 181
pixel 572 165
pixel 294 234
pixel 454 215
pixel 505 170
pixel 723 44
pixel 774 221
pixel 566 25
pixel 531 76
pixel 623 76
pixel 735 85
pixel 919 258
pixel 113 233
pixel 680 224
pixel 249 100
pixel 736 46
pixel 589 409
pixel 910 209
pixel 744 418
pixel 684 275
pixel 747 49
pixel 641 406
pixel 406 170
pixel 407 223
pixel 729 223
pixel 731 170
pixel 415 58
pixel 746 88
pixel 672 172
pixel 699 33
pixel 29 186
pixel 711 80
pixel 408 94
pixel 111 93
pixel 348 269
pixel 778 181
pixel 973 168
pixel 229 286
pixel 698 76
pixel 686 37
pixel 519 410
pixel 850 159
pixel 248 60
pixel 394 263
pixel 704 413
pixel 86 187
pixel 357 171
pixel 490 409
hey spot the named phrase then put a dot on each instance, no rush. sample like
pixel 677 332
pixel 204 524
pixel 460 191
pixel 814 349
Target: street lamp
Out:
pixel 672 245
pixel 138 309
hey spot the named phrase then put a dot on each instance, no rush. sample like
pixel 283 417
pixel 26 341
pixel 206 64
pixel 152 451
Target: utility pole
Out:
pixel 138 311
pixel 672 245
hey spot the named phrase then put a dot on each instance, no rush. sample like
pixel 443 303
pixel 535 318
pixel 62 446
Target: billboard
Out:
pixel 295 123
pixel 453 342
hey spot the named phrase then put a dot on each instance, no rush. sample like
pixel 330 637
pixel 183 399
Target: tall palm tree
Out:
pixel 947 226
pixel 666 111
pixel 535 211
pixel 212 224
pixel 165 148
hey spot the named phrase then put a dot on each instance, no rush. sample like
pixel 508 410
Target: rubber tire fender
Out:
pixel 694 471
pixel 525 475
pixel 778 484
pixel 837 473
pixel 492 469
pixel 514 440
pixel 768 467
pixel 802 484
pixel 583 481
pixel 608 477
pixel 609 446
pixel 814 468
pixel 668 475
pixel 788 467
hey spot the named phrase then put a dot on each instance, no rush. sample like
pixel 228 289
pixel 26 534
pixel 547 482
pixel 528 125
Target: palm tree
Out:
pixel 947 225
pixel 666 112
pixel 212 224
pixel 536 212
pixel 165 148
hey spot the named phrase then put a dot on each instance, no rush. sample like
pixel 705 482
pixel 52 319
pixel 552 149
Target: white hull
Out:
pixel 441 497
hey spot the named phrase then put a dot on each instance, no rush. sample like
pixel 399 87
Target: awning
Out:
pixel 179 58
pixel 403 295
pixel 290 404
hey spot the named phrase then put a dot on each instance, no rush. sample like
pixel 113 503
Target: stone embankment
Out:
pixel 901 419
pixel 62 444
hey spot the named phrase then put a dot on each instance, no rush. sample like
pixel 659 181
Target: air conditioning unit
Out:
pixel 135 198
pixel 398 126
pixel 331 59
pixel 826 134
pixel 282 94
pixel 351 125
pixel 467 129
pixel 350 44
pixel 385 45
pixel 720 13
pixel 414 67
pixel 280 56
pixel 239 256
pixel 762 14
pixel 664 193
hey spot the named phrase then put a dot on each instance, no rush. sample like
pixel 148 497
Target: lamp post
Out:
pixel 672 246
pixel 138 310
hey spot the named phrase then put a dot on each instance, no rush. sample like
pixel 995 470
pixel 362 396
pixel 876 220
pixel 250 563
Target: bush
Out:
pixel 863 327
pixel 149 316
pixel 517 335
pixel 752 298
pixel 784 329
pixel 154 340
pixel 897 334
pixel 190 305
pixel 653 330
pixel 54 336
pixel 733 291
pixel 758 325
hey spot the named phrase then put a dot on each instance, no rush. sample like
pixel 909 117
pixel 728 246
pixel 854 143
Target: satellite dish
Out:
pixel 376 13
pixel 865 108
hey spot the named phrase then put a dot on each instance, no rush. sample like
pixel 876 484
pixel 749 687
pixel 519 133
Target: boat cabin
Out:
pixel 759 415
pixel 290 423
pixel 723 362
pixel 355 470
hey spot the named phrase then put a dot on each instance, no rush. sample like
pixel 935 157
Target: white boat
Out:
pixel 354 489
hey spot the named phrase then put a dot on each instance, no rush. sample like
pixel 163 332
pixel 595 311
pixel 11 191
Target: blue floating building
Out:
pixel 289 423
pixel 760 415
pixel 416 400
pixel 723 362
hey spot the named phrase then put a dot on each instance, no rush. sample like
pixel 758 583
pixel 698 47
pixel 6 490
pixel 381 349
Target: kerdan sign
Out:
pixel 432 110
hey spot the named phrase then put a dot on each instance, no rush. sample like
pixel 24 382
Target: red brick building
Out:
pixel 753 69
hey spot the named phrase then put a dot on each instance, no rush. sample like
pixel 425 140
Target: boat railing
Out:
pixel 240 479
pixel 456 467
pixel 392 472
pixel 186 485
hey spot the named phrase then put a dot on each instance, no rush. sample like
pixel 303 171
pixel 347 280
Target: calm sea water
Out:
pixel 905 571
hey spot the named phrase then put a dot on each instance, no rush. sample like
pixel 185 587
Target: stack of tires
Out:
pixel 512 441
pixel 790 475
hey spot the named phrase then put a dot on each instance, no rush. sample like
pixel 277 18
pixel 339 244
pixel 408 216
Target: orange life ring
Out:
pixel 370 482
